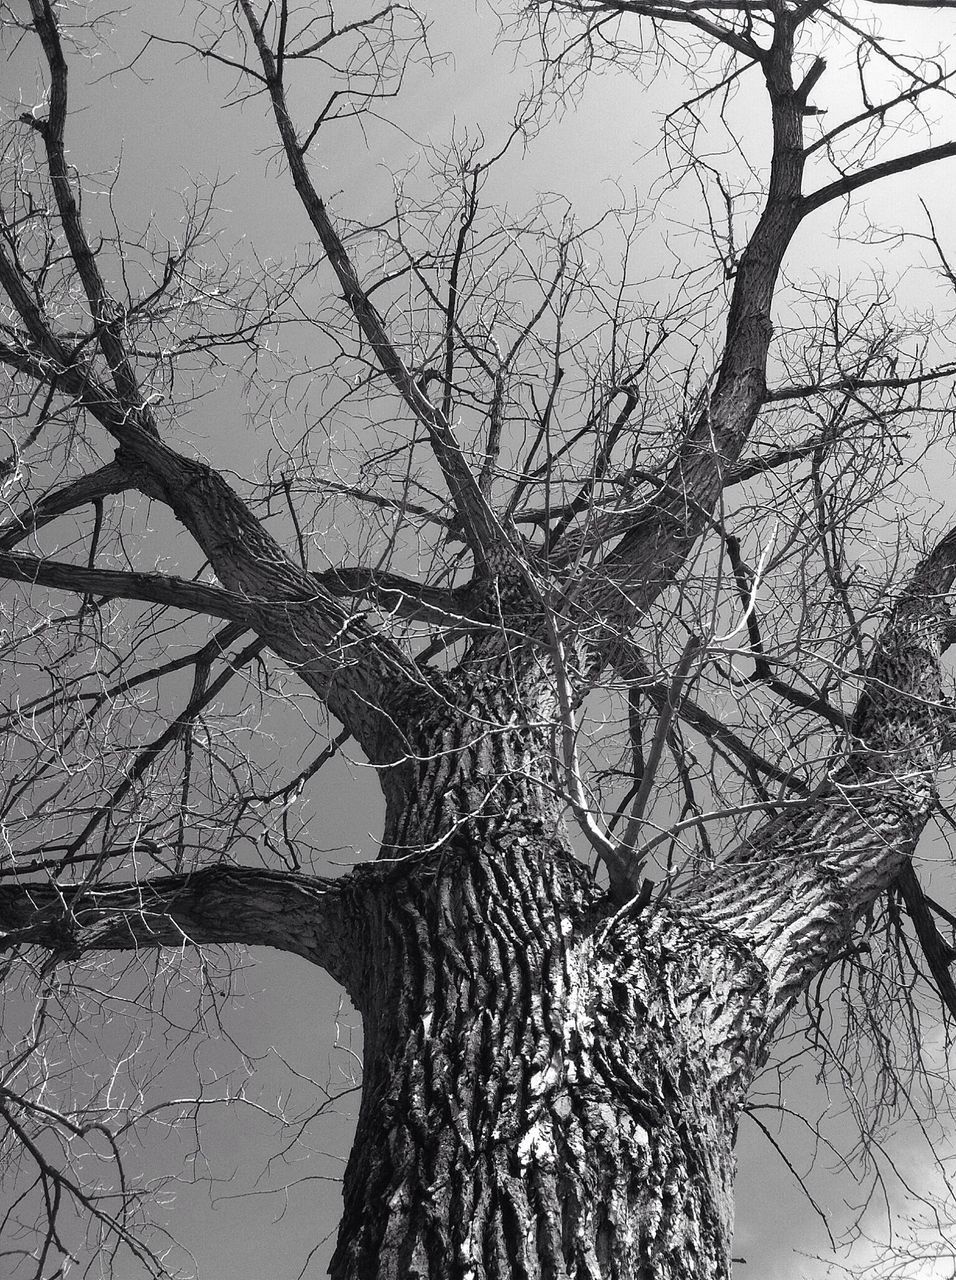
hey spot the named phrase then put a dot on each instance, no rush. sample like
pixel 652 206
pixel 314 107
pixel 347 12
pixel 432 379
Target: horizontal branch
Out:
pixel 305 915
pixel 403 505
pixel 113 584
pixel 915 4
pixel 695 15
pixel 404 597
pixel 804 391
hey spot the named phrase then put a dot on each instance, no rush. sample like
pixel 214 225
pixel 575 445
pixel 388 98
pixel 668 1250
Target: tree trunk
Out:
pixel 551 1086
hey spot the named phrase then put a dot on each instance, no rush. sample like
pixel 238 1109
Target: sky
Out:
pixel 166 123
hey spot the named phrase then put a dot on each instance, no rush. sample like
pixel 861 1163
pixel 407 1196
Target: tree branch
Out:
pixel 481 528
pixel 178 729
pixel 763 670
pixel 939 955
pixel 393 593
pixel 306 915
pixel 796 887
pixel 366 680
pixel 656 545
pixel 691 14
pixel 113 478
pixel 885 169
pixel 114 584
pixel 339 656
pixel 107 317
pixel 708 726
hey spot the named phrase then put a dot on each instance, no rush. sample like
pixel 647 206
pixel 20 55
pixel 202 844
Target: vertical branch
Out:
pixel 481 529
pixel 692 649
pixel 635 730
pixel 649 556
pixel 831 552
pixel 107 315
pixel 495 425
pixel 581 499
pixel 451 305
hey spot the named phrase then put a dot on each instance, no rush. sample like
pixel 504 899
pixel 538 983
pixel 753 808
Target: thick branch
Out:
pixel 851 182
pixel 292 612
pixel 651 553
pixel 366 680
pixel 308 916
pixel 795 889
pixel 114 584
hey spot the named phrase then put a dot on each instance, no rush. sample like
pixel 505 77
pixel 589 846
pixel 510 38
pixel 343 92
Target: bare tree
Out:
pixel 647 664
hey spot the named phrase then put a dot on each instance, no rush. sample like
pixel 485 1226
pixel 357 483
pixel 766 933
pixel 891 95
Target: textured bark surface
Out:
pixel 553 1080
pixel 553 1083
pixel 551 1089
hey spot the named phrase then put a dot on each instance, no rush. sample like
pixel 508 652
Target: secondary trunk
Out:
pixel 551 1089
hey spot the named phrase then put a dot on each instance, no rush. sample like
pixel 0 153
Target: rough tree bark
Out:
pixel 553 1079
pixel 554 1070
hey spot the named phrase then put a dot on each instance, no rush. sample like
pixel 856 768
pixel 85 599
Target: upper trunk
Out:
pixel 550 1089
pixel 552 1085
